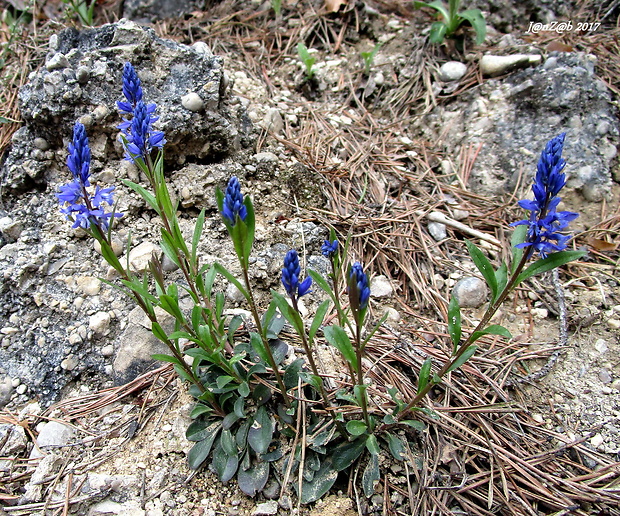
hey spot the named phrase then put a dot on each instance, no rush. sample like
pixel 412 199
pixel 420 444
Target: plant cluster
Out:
pixel 83 10
pixel 452 19
pixel 252 405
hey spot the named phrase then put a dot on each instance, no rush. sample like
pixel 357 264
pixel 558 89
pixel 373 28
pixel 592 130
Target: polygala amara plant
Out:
pixel 249 399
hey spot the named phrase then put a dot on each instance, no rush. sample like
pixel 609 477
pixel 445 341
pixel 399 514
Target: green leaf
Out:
pixel 439 6
pixel 551 262
pixel 198 227
pixel 322 283
pixel 494 329
pixel 223 380
pixel 338 338
pixel 318 320
pixel 501 276
pixel 484 266
pixel 224 272
pixel 320 484
pixel 225 465
pixel 467 354
pixel 291 373
pixel 345 454
pixel 372 445
pixel 356 427
pixel 200 451
pixel 159 332
pixel 250 227
pixel 413 423
pixel 259 346
pixel 475 17
pixel 142 192
pixel 425 373
pixel 289 313
pixel 252 480
pixel 371 475
pixel 438 32
pixel 396 446
pixel 171 305
pixel 261 431
pixel 199 410
pixel 165 358
pixel 518 237
pixel 454 322
pixel 169 247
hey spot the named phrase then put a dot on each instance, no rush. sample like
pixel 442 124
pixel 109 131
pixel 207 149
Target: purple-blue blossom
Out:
pixel 290 276
pixel 233 203
pixel 545 224
pixel 81 207
pixel 138 136
pixel 329 249
pixel 358 287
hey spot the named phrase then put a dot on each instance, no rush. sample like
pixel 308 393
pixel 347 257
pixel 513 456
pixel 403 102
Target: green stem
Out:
pixel 259 327
pixel 481 325
pixel 360 374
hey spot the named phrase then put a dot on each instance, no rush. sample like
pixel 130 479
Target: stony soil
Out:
pixel 133 450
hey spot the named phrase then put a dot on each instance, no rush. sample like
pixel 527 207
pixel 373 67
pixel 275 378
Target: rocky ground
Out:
pixel 451 131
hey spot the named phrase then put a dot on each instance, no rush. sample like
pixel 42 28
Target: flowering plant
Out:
pixel 249 399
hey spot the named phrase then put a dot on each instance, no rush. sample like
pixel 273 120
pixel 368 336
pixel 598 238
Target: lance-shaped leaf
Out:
pixel 338 338
pixel 454 322
pixel 425 373
pixel 484 266
pixel 467 354
pixel 200 451
pixel 550 262
pixel 253 479
pixel 371 475
pixel 345 454
pixel 494 329
pixel 321 483
pixel 261 431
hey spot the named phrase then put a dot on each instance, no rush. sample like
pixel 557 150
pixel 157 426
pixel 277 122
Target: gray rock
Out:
pixel 496 65
pixel 380 286
pixel 99 323
pixel 273 121
pixel 6 390
pixel 140 256
pixel 135 345
pixel 53 434
pixel 233 294
pixel 193 102
pixel 13 440
pixel 513 118
pixel 266 508
pixel 452 71
pixel 470 292
pixel 53 100
pixel 437 230
pixel 11 228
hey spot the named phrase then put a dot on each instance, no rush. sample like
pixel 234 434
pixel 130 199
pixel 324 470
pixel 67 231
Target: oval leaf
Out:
pixel 261 431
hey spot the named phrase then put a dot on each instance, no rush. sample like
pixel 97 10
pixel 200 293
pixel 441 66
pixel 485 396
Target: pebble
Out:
pixel 140 256
pixel 600 345
pixel 616 384
pixel 285 502
pixel 539 313
pixel 69 363
pixel 117 246
pixel 266 508
pixel 272 121
pixel 202 48
pixel 452 71
pixel 192 102
pixel 613 323
pixel 380 286
pixel 107 351
pixel 53 433
pixel 99 323
pixel 168 265
pixel 88 285
pixel 11 228
pixel 57 62
pixel 21 389
pixel 604 376
pixel 496 65
pixel 597 440
pixel 437 230
pixel 460 214
pixel 41 143
pixel 470 292
pixel 233 294
pixel 393 315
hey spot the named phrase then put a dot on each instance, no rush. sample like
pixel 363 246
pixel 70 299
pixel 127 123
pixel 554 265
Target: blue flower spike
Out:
pixel 138 136
pixel 545 224
pixel 78 205
pixel 233 205
pixel 329 249
pixel 359 290
pixel 290 277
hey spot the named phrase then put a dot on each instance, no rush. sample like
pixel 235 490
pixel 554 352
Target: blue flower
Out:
pixel 139 137
pixel 329 249
pixel 78 160
pixel 78 205
pixel 545 223
pixel 233 203
pixel 290 276
pixel 358 287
